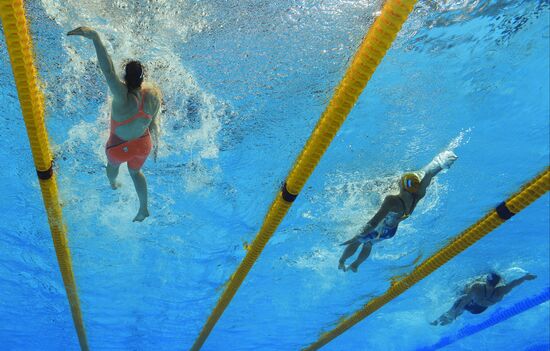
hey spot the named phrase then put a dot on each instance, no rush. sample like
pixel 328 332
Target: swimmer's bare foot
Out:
pixel 342 265
pixel 142 214
pixel 353 267
pixel 115 185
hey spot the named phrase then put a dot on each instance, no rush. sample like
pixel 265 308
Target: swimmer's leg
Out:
pixel 112 173
pixel 141 189
pixel 348 252
pixel 363 255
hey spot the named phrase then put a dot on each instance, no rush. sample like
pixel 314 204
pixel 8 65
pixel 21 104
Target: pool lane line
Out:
pixel 31 99
pixel 530 192
pixel 367 58
pixel 496 318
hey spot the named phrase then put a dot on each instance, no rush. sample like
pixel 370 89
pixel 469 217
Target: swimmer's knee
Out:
pixel 134 172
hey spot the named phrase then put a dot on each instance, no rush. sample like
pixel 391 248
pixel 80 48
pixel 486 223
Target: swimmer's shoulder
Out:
pixel 152 96
pixel 152 91
pixel 393 203
pixel 477 288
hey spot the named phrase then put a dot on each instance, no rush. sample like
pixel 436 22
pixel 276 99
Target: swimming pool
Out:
pixel 244 84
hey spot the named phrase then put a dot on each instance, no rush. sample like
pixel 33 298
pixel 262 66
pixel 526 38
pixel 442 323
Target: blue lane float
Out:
pixel 539 347
pixel 497 317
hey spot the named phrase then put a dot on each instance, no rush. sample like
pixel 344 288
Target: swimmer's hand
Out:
pixel 445 159
pixel 85 32
pixel 529 276
pixel 443 320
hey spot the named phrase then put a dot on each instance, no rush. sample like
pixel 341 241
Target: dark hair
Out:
pixel 493 279
pixel 133 75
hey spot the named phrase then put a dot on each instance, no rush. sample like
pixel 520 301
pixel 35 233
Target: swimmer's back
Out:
pixel 149 98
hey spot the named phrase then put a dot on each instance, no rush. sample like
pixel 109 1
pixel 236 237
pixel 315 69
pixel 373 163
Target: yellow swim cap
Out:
pixel 410 182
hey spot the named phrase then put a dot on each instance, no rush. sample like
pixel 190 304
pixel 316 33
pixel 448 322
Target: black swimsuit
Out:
pixel 475 308
pixel 413 205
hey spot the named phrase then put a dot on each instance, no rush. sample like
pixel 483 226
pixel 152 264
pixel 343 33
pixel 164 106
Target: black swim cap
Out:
pixel 493 279
pixel 133 75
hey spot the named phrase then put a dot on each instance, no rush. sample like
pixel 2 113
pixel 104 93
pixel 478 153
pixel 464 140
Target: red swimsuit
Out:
pixel 133 151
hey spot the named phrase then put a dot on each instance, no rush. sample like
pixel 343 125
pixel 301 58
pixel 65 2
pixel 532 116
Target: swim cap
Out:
pixel 133 75
pixel 410 182
pixel 493 279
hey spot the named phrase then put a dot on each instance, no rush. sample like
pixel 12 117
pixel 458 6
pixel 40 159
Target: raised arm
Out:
pixel 154 129
pixel 505 289
pixel 442 161
pixel 118 88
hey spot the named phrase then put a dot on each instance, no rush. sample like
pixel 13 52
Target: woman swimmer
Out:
pixel 134 120
pixel 394 209
pixel 478 296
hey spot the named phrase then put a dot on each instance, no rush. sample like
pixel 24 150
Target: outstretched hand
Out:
pixel 446 159
pixel 443 320
pixel 85 32
pixel 529 276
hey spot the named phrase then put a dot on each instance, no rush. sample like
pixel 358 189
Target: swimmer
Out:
pixel 394 209
pixel 134 120
pixel 478 296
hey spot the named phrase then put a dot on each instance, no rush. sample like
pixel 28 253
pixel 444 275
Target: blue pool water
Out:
pixel 244 83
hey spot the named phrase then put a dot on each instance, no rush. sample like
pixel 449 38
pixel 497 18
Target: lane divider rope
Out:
pixel 497 317
pixel 31 99
pixel 370 53
pixel 516 203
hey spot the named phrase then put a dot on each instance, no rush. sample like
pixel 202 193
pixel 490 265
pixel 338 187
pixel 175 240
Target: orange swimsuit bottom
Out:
pixel 133 151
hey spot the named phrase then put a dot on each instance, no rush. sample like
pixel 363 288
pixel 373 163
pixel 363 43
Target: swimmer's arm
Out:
pixel 425 183
pixel 429 171
pixel 442 161
pixel 118 88
pixel 503 290
pixel 105 63
pixel 155 133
